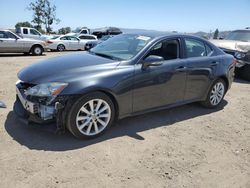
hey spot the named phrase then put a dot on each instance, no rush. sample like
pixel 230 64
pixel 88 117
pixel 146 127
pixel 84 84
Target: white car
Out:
pixel 64 42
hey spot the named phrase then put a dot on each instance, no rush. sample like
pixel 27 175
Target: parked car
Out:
pixel 106 31
pixel 64 42
pixel 91 44
pixel 78 32
pixel 127 75
pixel 28 32
pixel 237 43
pixel 12 43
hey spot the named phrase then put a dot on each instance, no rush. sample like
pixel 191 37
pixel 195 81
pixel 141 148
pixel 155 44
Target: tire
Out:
pixel 37 50
pixel 60 48
pixel 216 94
pixel 245 72
pixel 85 123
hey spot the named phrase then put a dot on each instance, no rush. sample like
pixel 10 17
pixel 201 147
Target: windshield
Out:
pixel 239 35
pixel 122 47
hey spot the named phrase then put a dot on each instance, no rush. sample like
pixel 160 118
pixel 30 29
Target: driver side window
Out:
pixel 167 49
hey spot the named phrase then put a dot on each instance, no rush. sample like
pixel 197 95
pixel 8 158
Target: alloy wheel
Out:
pixel 217 93
pixel 93 117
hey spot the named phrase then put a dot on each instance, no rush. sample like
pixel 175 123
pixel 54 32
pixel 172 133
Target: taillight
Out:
pixel 235 61
pixel 49 42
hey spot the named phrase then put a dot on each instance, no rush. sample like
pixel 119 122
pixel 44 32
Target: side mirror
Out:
pixel 152 60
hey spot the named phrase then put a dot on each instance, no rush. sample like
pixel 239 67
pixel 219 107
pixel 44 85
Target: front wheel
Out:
pixel 91 115
pixel 215 94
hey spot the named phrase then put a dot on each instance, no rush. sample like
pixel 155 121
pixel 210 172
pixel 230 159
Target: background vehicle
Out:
pixel 65 42
pixel 106 31
pixel 78 32
pixel 11 43
pixel 27 32
pixel 91 44
pixel 127 75
pixel 237 43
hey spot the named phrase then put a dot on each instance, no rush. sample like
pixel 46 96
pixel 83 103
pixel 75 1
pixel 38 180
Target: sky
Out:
pixel 162 15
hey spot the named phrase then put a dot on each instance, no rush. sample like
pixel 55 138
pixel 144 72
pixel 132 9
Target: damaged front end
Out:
pixel 242 57
pixel 41 103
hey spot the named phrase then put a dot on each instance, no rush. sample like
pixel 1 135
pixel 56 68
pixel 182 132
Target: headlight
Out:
pixel 239 55
pixel 46 90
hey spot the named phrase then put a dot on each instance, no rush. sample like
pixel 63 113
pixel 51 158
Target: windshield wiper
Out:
pixel 105 55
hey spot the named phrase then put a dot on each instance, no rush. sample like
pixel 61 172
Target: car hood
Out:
pixel 232 45
pixel 65 68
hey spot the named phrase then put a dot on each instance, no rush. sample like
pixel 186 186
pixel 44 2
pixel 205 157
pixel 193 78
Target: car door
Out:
pixel 74 43
pixel 8 42
pixel 161 85
pixel 65 40
pixel 3 41
pixel 201 66
pixel 15 44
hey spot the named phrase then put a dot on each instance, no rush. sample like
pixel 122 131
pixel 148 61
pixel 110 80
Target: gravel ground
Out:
pixel 188 146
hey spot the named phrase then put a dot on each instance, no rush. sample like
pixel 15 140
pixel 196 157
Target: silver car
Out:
pixel 12 43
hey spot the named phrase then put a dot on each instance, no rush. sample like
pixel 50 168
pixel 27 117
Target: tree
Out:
pixel 23 24
pixel 64 30
pixel 216 34
pixel 44 13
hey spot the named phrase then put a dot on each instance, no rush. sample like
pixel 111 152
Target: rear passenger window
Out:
pixel 209 50
pixel 195 48
pixel 64 38
pixel 3 34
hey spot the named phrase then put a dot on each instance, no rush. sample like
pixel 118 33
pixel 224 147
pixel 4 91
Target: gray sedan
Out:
pixel 12 43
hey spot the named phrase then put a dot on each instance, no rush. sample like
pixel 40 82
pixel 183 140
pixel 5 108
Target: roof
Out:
pixel 159 34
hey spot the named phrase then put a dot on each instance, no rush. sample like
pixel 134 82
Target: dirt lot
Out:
pixel 188 146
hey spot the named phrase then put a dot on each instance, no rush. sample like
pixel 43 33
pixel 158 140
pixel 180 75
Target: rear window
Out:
pixel 195 48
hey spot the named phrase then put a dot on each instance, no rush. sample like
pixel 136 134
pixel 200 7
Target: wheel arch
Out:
pixel 225 79
pixel 107 92
pixel 34 45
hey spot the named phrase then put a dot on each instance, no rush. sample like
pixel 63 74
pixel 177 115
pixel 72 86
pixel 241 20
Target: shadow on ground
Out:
pixel 17 55
pixel 39 138
pixel 241 81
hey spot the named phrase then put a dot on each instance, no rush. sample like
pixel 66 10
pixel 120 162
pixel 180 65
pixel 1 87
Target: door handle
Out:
pixel 1 40
pixel 214 63
pixel 181 69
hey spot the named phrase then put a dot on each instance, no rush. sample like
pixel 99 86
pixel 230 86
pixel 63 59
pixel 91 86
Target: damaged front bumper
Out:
pixel 35 112
pixel 242 58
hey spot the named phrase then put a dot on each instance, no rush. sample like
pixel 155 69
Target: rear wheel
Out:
pixel 60 47
pixel 215 94
pixel 91 115
pixel 37 50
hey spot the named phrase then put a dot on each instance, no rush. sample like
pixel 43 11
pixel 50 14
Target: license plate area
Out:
pixel 29 106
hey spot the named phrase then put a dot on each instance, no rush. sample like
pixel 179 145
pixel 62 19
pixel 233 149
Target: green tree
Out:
pixel 216 34
pixel 23 24
pixel 44 13
pixel 64 30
